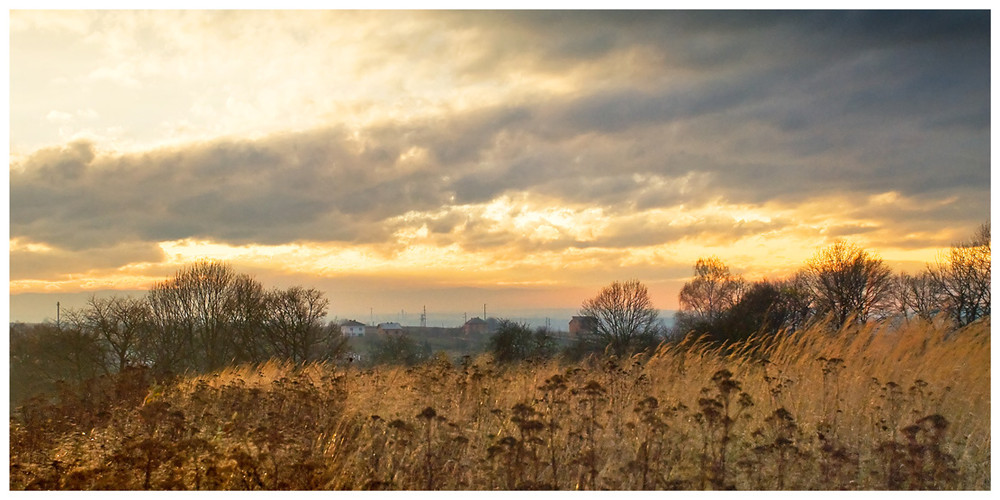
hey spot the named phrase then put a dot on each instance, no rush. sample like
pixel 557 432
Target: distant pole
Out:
pixel 58 311
pixel 484 312
pixel 423 318
pixel 371 316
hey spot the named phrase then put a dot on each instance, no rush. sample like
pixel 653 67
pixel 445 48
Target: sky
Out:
pixel 523 160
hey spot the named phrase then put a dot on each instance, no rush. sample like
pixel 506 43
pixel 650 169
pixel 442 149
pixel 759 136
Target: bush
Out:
pixel 515 341
pixel 398 350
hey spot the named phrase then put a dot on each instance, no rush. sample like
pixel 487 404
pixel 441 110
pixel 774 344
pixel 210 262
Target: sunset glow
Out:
pixel 400 159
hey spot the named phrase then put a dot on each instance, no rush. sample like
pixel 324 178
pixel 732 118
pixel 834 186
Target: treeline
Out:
pixel 208 317
pixel 204 318
pixel 842 283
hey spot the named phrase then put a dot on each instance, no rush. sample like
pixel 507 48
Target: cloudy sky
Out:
pixel 450 159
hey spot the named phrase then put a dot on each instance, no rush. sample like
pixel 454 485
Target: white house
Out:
pixel 352 328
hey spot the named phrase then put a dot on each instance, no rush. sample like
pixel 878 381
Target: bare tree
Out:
pixel 208 316
pixel 797 301
pixel 962 278
pixel 169 345
pixel 713 290
pixel 294 327
pixel 848 282
pixel 119 323
pixel 196 314
pixel 706 299
pixel 624 316
pixel 205 288
pixel 248 317
pixel 919 295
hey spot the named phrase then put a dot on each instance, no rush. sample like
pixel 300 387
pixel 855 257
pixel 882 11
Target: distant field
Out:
pixel 879 407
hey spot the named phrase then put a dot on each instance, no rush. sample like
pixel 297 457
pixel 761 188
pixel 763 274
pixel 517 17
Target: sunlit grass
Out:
pixel 884 406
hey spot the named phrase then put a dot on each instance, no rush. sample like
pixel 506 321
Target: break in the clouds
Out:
pixel 544 146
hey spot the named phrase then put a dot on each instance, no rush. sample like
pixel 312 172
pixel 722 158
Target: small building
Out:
pixel 476 326
pixel 352 328
pixel 390 328
pixel 582 325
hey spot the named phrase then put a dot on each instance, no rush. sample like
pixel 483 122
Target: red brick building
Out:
pixel 582 325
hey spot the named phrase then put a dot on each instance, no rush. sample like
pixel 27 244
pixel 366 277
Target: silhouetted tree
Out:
pixel 169 344
pixel 332 345
pixel 294 328
pixel 761 310
pixel 120 324
pixel 962 279
pixel 248 319
pixel 918 295
pixel 196 314
pixel 624 316
pixel 763 307
pixel 705 299
pixel 848 282
pixel 713 290
pixel 208 316
pixel 797 298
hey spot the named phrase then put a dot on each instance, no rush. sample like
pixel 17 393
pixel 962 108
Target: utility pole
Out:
pixel 484 312
pixel 58 322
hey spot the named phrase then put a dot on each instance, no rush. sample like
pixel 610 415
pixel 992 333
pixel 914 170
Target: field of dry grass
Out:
pixel 877 407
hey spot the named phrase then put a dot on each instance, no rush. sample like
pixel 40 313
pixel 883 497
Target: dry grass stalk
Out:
pixel 863 407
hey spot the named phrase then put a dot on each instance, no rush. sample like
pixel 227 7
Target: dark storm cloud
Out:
pixel 895 63
pixel 620 110
pixel 310 187
pixel 736 107
pixel 872 100
pixel 711 41
pixel 322 185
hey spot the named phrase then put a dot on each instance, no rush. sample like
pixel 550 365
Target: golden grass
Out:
pixel 881 406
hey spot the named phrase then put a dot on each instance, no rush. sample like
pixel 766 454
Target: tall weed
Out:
pixel 881 406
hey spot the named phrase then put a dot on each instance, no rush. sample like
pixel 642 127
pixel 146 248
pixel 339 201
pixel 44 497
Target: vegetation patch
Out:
pixel 874 406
